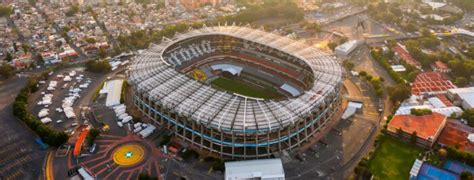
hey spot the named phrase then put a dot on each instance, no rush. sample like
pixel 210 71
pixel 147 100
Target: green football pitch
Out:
pixel 246 89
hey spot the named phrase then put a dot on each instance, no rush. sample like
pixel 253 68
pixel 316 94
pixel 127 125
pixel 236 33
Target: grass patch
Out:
pixel 393 159
pixel 97 90
pixel 124 90
pixel 244 88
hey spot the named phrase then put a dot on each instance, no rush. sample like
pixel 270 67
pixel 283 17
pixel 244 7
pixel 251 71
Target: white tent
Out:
pixel 67 78
pixel 43 113
pixel 127 119
pixel 470 137
pixel 113 89
pixel 147 131
pixel 46 120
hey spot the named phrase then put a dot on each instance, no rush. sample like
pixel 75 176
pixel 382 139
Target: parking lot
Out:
pixel 21 158
pixel 325 159
pixel 59 100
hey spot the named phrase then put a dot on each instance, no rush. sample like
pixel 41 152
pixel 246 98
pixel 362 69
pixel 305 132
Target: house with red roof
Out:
pixel 427 127
pixel 441 67
pixel 404 55
pixel 90 49
pixel 68 54
pixel 431 83
pixel 22 62
pixel 457 134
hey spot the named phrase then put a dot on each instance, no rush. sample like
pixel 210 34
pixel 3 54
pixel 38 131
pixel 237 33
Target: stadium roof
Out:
pixel 160 81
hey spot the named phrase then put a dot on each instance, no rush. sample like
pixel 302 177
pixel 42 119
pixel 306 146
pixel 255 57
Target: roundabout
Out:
pixel 128 155
pixel 123 157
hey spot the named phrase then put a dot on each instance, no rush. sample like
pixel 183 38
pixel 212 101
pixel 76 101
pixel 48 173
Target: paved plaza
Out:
pixel 123 157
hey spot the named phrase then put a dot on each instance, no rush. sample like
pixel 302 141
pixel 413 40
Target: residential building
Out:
pixel 462 97
pixel 440 67
pixel 427 127
pixel 403 54
pixel 430 83
pixel 457 134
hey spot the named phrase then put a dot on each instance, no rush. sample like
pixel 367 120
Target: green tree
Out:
pixel 8 57
pixel 369 77
pixel 410 27
pixel 399 132
pixel 98 66
pixel 102 53
pixel 466 175
pixel 190 153
pixel 93 133
pixel 348 65
pixel 90 40
pixel 15 47
pixel 218 165
pixel 5 10
pixel 343 40
pixel 39 58
pixel 49 136
pixel 420 112
pixel 144 176
pixel 379 92
pixel 313 26
pixel 468 115
pixel 399 92
pixel 413 137
pixel 412 76
pixel 6 70
pixel 470 51
pixel 332 45
pixel 25 48
pixel 461 81
pixel 32 2
pixel 74 9
pixel 55 139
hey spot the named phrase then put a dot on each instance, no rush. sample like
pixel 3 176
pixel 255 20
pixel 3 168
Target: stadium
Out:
pixel 237 92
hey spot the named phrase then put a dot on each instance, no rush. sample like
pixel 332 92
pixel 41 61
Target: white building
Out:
pixel 352 108
pixel 113 89
pixel 462 96
pixel 345 49
pixel 265 169
pixel 398 68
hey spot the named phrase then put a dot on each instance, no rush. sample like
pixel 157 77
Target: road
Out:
pixel 363 61
pixel 21 157
pixel 341 15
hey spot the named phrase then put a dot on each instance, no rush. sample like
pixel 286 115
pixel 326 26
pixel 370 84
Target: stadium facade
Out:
pixel 169 87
